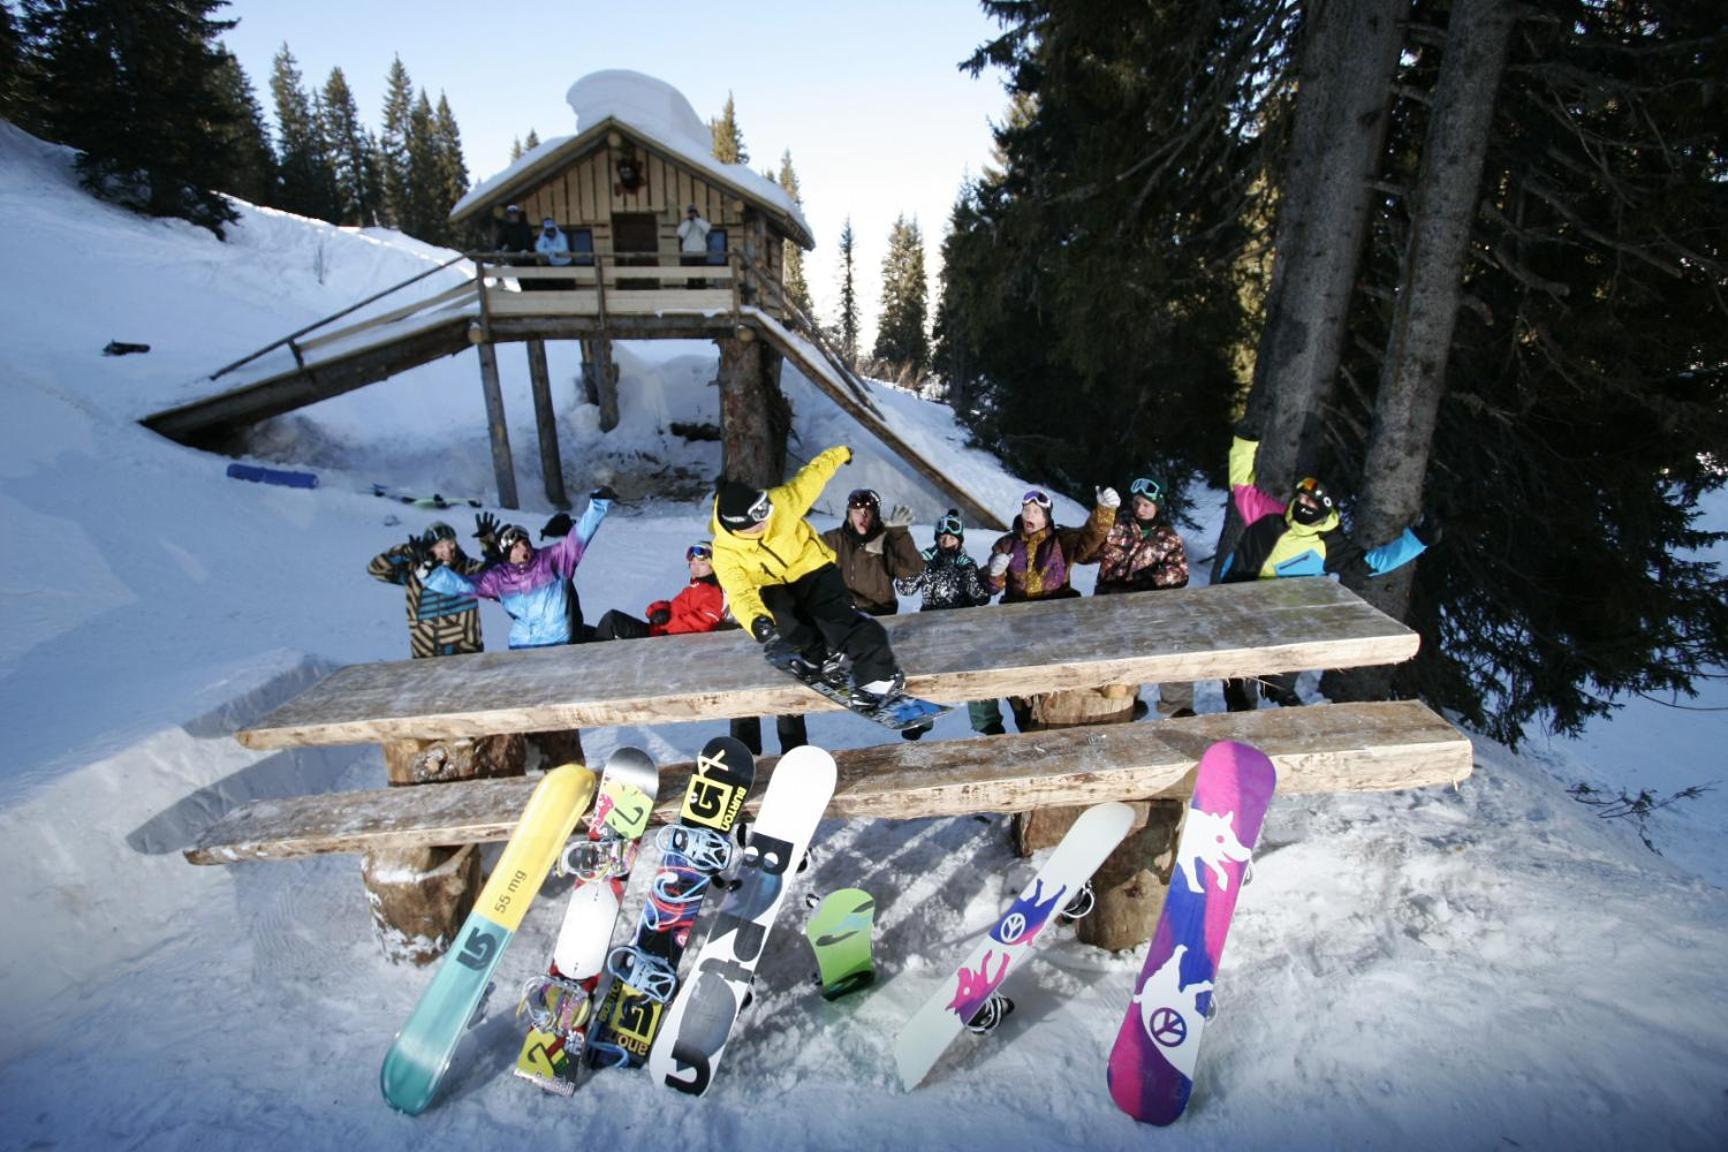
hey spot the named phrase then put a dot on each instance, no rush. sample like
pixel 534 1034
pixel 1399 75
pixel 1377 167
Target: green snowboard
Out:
pixel 840 933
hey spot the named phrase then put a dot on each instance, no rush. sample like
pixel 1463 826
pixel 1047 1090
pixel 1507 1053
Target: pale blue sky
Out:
pixel 865 94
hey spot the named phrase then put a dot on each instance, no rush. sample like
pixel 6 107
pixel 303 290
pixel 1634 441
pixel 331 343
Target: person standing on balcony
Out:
pixel 554 249
pixel 693 243
pixel 515 236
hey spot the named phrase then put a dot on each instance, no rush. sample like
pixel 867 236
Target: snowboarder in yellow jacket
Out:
pixel 782 583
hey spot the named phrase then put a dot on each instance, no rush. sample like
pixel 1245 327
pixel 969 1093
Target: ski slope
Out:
pixel 1487 967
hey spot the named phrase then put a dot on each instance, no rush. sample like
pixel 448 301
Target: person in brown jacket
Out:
pixel 1036 559
pixel 872 553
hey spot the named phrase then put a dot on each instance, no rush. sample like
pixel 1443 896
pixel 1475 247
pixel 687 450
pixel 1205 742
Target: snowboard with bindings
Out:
pixel 970 996
pixel 898 712
pixel 418 1059
pixel 839 933
pixel 699 1022
pixel 432 501
pixel 693 854
pixel 558 1003
pixel 1151 1069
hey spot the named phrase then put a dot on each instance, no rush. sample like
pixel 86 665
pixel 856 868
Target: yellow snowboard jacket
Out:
pixel 788 550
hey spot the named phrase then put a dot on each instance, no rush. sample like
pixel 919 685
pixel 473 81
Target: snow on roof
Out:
pixel 657 112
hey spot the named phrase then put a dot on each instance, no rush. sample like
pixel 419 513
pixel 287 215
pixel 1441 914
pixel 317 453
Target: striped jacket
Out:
pixel 439 624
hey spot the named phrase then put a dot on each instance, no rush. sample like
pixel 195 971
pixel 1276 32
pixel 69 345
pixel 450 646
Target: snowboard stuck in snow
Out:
pixel 1151 1068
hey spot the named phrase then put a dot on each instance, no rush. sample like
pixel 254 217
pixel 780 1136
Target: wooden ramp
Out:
pixel 1329 748
pixel 1246 629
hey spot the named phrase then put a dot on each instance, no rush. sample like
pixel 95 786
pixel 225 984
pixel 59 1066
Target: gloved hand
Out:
pixel 848 459
pixel 1428 529
pixel 559 526
pixel 416 550
pixel 901 517
pixel 485 524
pixel 763 629
pixel 998 565
pixel 1248 428
pixel 1109 498
pixel 604 492
pixel 659 613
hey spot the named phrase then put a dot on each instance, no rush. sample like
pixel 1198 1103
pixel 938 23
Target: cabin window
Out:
pixel 717 246
pixel 582 246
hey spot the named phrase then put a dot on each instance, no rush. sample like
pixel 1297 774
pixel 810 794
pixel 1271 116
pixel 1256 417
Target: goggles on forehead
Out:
pixel 950 526
pixel 1147 487
pixel 1037 496
pixel 863 498
pixel 699 552
pixel 1311 487
pixel 512 536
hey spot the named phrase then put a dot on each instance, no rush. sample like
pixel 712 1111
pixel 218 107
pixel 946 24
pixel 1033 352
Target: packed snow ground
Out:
pixel 1482 967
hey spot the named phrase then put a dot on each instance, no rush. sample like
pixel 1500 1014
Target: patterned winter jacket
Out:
pixel 1274 545
pixel 439 624
pixel 872 565
pixel 535 594
pixel 1039 564
pixel 699 608
pixel 1137 557
pixel 949 580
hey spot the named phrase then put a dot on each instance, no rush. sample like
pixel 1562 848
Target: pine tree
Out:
pixel 452 169
pixel 902 343
pixel 393 144
pixel 797 289
pixel 372 184
pixel 134 87
pixel 515 149
pixel 350 152
pixel 15 79
pixel 245 136
pixel 728 137
pixel 531 141
pixel 305 179
pixel 426 174
pixel 848 298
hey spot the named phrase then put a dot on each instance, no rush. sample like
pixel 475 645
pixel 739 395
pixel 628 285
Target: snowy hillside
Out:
pixel 1487 967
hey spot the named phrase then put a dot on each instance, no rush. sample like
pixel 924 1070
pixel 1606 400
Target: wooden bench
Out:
pixel 417 842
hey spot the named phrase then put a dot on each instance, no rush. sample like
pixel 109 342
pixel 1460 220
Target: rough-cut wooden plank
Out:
pixel 1326 748
pixel 966 654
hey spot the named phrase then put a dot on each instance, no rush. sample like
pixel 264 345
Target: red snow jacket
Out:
pixel 698 608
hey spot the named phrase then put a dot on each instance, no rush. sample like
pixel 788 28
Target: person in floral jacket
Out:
pixel 1144 551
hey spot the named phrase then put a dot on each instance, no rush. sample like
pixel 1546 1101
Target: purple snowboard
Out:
pixel 1152 1065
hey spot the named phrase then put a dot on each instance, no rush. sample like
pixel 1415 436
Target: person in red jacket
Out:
pixel 699 608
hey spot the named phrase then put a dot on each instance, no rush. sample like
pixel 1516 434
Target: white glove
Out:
pixel 901 517
pixel 998 565
pixel 1109 498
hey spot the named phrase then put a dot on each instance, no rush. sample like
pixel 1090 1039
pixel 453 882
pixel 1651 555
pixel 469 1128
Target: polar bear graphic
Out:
pixel 1210 840
pixel 1170 1014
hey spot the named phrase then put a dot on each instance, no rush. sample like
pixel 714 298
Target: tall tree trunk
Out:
pixel 1413 374
pixel 1349 53
pixel 754 416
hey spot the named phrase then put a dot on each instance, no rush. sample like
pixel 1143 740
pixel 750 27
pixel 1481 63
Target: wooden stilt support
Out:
pixel 503 467
pixel 419 896
pixel 546 421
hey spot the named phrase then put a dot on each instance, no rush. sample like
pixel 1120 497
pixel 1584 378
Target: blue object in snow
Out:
pixel 259 475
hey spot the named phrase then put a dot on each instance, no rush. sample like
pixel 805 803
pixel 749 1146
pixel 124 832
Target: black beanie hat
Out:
pixel 739 505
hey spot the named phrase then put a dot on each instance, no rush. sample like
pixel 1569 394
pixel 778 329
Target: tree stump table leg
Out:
pixel 419 897
pixel 1131 884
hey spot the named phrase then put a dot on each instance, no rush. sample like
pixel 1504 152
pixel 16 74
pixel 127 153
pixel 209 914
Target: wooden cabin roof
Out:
pixel 535 169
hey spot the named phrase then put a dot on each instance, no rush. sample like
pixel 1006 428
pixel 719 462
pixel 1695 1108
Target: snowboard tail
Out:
pixel 417 1060
pixel 1151 1068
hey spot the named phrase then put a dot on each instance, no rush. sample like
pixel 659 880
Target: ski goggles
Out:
pixel 512 536
pixel 439 531
pixel 1149 488
pixel 1037 496
pixel 950 526
pixel 699 552
pixel 1311 487
pixel 863 498
pixel 759 511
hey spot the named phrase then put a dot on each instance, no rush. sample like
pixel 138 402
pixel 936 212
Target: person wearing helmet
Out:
pixel 532 584
pixel 699 608
pixel 1143 552
pixel 439 624
pixel 783 586
pixel 1298 537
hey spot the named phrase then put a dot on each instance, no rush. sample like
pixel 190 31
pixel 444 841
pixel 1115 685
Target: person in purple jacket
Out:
pixel 532 584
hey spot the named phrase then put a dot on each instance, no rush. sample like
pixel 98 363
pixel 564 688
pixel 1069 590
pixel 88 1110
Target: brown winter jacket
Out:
pixel 870 564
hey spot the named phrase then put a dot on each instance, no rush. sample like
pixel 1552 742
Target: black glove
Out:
pixel 763 629
pixel 1428 529
pixel 559 526
pixel 416 550
pixel 604 492
pixel 485 524
pixel 660 617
